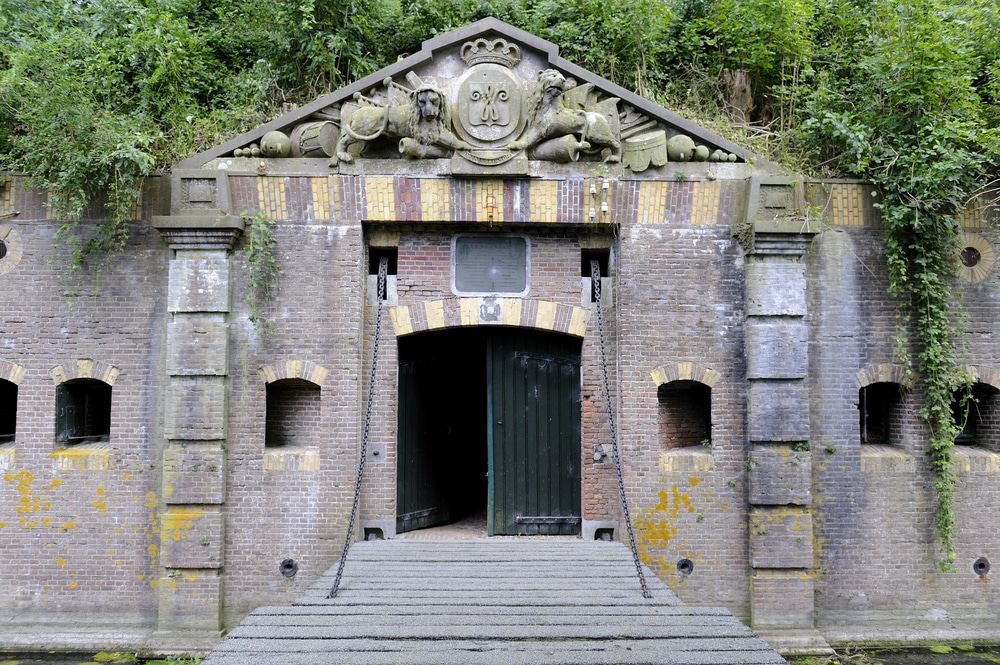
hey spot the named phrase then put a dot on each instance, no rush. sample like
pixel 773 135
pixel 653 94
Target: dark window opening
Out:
pixel 977 416
pixel 880 408
pixel 685 414
pixel 375 256
pixel 83 411
pixel 293 416
pixel 8 411
pixel 3 249
pixel 587 257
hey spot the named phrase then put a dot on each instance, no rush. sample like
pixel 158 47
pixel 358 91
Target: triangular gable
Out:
pixel 507 98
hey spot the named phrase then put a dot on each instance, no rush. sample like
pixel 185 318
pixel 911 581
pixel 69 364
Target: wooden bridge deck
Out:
pixel 517 601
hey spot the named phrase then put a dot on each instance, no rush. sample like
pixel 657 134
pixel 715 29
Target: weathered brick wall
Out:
pixel 875 552
pixel 680 306
pixel 79 529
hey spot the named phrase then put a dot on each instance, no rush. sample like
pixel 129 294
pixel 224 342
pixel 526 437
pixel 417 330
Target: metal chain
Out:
pixel 595 276
pixel 383 268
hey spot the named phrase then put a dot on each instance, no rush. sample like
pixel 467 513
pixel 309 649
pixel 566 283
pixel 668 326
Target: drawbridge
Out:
pixel 496 601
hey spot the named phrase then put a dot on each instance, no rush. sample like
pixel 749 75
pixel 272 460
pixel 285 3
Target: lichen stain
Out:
pixel 657 527
pixel 177 522
pixel 28 503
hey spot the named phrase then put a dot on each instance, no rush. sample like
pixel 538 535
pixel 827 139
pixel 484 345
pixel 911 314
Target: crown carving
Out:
pixel 498 51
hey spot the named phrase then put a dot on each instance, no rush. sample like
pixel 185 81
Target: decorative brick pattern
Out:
pixel 685 371
pixel 294 369
pixel 541 314
pixel 886 373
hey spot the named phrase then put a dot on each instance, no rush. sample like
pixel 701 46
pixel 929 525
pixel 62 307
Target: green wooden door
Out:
pixel 533 433
pixel 420 489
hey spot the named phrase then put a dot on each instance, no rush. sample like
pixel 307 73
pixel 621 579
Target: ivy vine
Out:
pixel 262 266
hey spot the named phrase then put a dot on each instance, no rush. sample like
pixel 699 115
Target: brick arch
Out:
pixel 11 372
pixel 294 369
pixel 885 373
pixel 988 374
pixel 520 312
pixel 85 368
pixel 685 372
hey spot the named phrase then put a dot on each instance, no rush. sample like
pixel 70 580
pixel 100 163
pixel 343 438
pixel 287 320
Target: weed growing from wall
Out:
pixel 262 267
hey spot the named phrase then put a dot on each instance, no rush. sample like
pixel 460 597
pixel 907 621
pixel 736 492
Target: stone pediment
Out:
pixel 484 100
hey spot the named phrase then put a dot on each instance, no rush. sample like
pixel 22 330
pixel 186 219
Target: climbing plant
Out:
pixel 901 110
pixel 262 266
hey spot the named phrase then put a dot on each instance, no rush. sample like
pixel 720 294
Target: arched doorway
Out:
pixel 489 418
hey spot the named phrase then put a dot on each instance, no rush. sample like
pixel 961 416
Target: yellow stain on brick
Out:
pixel 60 562
pixel 381 198
pixel 28 502
pixel 847 204
pixel 401 320
pixel 543 200
pixel 652 202
pixel 90 458
pixel 46 521
pixel 100 505
pixel 435 200
pixel 177 522
pixel 271 193
pixel 320 197
pixel 489 201
pixel 68 525
pixel 434 311
pixel 545 318
pixel 705 203
pixel 73 585
pixel 511 311
pixel 470 311
pixel 578 322
pixel 55 483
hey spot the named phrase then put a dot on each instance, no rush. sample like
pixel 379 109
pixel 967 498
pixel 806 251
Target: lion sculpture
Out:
pixel 420 123
pixel 554 126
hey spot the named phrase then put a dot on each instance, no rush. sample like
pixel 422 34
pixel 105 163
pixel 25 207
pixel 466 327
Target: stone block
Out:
pixel 190 601
pixel 778 410
pixel 777 348
pixel 196 408
pixel 199 285
pixel 197 345
pixel 776 286
pixel 191 537
pixel 780 475
pixel 780 538
pixel 194 474
pixel 781 599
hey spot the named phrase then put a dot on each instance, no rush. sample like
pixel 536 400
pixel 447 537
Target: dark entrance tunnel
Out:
pixel 442 427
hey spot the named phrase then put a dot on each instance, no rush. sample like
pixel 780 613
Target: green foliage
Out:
pixel 262 267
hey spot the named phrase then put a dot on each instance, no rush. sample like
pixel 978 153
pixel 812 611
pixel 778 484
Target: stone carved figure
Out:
pixel 421 123
pixel 558 132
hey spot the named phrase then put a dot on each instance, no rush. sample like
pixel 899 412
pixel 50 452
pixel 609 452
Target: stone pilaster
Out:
pixel 779 463
pixel 201 233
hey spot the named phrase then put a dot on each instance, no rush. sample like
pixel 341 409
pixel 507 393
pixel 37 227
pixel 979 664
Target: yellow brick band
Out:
pixel 652 202
pixel 578 322
pixel 435 200
pixel 434 309
pixel 847 204
pixel 489 201
pixel 470 311
pixel 705 207
pixel 545 318
pixel 544 202
pixel 511 311
pixel 685 371
pixel 380 196
pixel 320 197
pixel 401 321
